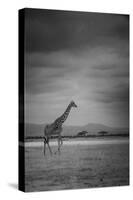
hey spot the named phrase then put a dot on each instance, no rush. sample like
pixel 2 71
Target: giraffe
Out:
pixel 56 128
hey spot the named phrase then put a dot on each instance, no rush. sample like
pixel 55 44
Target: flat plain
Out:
pixel 84 163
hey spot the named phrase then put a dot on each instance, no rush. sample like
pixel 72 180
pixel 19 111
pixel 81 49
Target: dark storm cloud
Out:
pixel 122 30
pixel 110 72
pixel 48 30
pixel 45 72
pixel 47 60
pixel 45 86
pixel 104 67
pixel 119 93
pixel 80 56
pixel 44 81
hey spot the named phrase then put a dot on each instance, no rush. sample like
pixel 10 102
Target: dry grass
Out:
pixel 78 166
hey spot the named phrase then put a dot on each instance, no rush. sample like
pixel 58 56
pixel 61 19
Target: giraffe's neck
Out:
pixel 63 117
pixel 66 113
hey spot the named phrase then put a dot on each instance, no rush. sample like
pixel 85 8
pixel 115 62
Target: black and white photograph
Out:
pixel 74 99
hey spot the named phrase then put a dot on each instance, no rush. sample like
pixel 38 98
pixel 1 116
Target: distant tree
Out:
pixel 82 133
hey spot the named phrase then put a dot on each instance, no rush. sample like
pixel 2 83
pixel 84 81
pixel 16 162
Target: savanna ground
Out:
pixel 80 165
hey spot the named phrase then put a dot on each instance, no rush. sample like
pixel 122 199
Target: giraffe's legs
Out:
pixel 44 147
pixel 60 138
pixel 60 142
pixel 46 141
pixel 49 146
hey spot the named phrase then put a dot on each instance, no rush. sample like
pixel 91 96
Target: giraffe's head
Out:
pixel 73 104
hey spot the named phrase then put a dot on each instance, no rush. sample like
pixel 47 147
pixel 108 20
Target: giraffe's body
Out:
pixel 56 127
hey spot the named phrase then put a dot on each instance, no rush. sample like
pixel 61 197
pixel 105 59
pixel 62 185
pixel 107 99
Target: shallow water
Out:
pixel 81 164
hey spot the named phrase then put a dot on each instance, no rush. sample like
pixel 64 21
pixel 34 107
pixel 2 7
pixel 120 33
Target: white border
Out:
pixel 9 97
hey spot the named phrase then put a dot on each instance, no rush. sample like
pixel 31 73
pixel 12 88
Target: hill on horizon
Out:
pixel 37 130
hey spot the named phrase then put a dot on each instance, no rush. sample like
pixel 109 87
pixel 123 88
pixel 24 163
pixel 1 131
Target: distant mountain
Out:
pixel 32 130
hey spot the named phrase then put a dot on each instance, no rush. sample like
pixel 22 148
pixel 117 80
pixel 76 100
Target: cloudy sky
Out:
pixel 76 56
